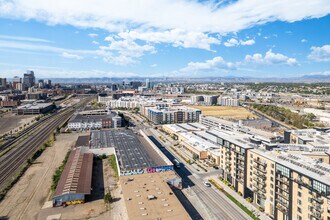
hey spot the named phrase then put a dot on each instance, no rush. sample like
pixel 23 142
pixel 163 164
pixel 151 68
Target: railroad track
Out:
pixel 25 132
pixel 10 163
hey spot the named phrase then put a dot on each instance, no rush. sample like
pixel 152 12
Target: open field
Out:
pixel 226 112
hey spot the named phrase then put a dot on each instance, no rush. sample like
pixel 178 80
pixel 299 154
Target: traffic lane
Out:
pixel 211 204
pixel 193 213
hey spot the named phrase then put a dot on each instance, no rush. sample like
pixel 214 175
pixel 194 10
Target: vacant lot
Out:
pixel 11 122
pixel 226 112
pixel 28 195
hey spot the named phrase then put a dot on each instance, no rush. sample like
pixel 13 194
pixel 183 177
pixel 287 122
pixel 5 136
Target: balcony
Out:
pixel 282 202
pixel 264 164
pixel 283 187
pixel 282 208
pixel 283 180
pixel 317 198
pixel 284 196
pixel 261 195
pixel 241 157
pixel 261 169
pixel 228 152
pixel 318 206
pixel 259 188
pixel 301 182
pixel 317 214
pixel 228 163
pixel 259 174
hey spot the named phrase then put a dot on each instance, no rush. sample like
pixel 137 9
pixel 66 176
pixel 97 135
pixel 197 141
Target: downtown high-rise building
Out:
pixel 28 80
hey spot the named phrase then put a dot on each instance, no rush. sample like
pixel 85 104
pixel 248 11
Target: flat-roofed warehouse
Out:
pixel 133 157
pixel 76 179
pixel 149 196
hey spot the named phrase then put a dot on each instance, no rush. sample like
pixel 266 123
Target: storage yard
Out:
pixel 226 112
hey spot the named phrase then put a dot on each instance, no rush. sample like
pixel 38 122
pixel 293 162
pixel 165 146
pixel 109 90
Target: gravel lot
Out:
pixel 27 197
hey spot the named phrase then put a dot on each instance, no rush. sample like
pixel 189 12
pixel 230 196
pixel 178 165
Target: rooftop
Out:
pixel 35 106
pixel 82 141
pixel 78 118
pixel 77 174
pixel 239 139
pixel 136 190
pixel 199 143
pixel 131 153
pixel 301 164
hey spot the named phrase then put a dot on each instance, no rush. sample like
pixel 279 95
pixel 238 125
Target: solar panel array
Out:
pixel 295 160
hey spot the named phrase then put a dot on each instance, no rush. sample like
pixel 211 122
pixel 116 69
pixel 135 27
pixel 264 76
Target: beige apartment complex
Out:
pixel 288 181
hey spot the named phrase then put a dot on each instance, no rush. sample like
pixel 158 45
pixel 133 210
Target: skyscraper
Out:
pixel 148 85
pixel 3 83
pixel 29 79
pixel 17 83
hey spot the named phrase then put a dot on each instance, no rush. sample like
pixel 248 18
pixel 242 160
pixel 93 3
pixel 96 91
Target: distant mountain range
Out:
pixel 227 79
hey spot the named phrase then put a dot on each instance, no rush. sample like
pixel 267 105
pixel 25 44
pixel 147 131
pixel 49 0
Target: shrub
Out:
pixel 107 198
pixel 249 199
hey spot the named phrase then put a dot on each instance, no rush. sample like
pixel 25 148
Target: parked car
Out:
pixel 207 184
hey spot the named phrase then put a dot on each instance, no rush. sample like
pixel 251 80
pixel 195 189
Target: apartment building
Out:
pixel 172 114
pixel 210 99
pixel 196 99
pixel 227 101
pixel 289 186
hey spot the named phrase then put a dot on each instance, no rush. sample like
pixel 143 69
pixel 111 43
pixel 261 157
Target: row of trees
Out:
pixel 287 116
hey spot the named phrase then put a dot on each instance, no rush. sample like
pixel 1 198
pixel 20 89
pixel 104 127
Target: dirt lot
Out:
pixel 226 112
pixel 11 122
pixel 26 198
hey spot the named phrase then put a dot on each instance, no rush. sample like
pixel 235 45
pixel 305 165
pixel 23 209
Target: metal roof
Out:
pixel 77 174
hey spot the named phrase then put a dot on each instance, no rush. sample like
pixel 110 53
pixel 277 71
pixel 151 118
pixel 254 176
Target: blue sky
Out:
pixel 164 38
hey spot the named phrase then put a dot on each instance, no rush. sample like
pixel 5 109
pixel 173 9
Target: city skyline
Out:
pixel 183 39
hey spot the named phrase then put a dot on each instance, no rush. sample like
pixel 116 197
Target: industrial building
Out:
pixel 34 109
pixel 149 196
pixel 89 122
pixel 76 179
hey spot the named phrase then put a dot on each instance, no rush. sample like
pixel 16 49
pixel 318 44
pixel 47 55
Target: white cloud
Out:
pixel 117 52
pixel 320 53
pixel 176 37
pixel 19 38
pixel 303 40
pixel 95 42
pixel 153 65
pixel 234 42
pixel 92 35
pixel 231 42
pixel 128 50
pixel 190 16
pixel 71 56
pixel 216 63
pixel 270 58
pixel 248 42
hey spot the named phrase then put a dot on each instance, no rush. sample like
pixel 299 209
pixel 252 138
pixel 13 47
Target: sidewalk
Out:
pixel 239 198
